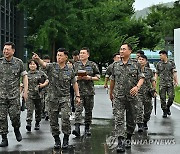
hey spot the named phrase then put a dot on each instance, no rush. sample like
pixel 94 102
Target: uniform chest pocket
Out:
pixel 89 70
pixel 133 73
pixel 15 72
pixel 66 76
pixel 55 74
pixel 117 73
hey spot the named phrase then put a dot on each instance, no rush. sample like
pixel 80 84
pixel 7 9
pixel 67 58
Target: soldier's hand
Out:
pixel 78 100
pixel 155 94
pixel 41 85
pixel 111 96
pixel 79 78
pixel 105 86
pixel 87 77
pixel 35 56
pixel 25 95
pixel 134 91
pixel 175 83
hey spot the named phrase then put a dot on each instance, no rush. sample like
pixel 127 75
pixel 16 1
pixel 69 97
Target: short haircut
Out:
pixel 163 52
pixel 115 54
pixel 140 52
pixel 86 48
pixel 10 43
pixel 63 50
pixel 34 62
pixel 143 56
pixel 75 53
pixel 129 45
pixel 46 57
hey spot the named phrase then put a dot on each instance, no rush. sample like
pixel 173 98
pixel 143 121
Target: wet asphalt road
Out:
pixel 163 136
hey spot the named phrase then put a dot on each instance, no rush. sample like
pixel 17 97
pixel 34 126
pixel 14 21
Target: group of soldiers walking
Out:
pixel 58 76
pixel 132 86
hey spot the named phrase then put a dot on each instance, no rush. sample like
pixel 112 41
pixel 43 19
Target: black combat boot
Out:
pixel 145 125
pixel 46 116
pixel 65 141
pixel 87 130
pixel 17 134
pixel 164 113
pixel 121 145
pixel 57 140
pixel 76 132
pixel 168 110
pixel 128 141
pixel 4 142
pixel 37 125
pixel 140 127
pixel 28 126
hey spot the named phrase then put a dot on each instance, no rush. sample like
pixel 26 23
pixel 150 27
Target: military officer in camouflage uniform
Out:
pixel 166 70
pixel 11 69
pixel 60 77
pixel 125 82
pixel 37 81
pixel 116 57
pixel 145 95
pixel 86 88
pixel 45 92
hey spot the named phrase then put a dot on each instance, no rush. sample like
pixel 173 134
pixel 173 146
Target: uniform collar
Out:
pixel 87 63
pixel 128 63
pixel 33 72
pixel 12 61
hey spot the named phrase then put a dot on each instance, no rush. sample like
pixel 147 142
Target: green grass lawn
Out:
pixel 177 95
pixel 100 82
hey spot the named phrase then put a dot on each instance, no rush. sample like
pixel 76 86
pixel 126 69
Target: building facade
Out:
pixel 12 26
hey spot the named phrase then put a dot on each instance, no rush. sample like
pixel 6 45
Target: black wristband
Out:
pixel 78 96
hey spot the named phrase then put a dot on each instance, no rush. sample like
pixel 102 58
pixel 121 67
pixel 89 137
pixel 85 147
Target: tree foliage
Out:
pixel 100 25
pixel 162 21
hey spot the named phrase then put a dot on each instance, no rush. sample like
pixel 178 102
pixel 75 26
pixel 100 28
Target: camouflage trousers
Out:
pixel 122 104
pixel 144 108
pixel 61 104
pixel 169 90
pixel 88 103
pixel 11 107
pixel 45 102
pixel 33 104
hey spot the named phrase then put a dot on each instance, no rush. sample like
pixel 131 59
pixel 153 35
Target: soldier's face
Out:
pixel 76 58
pixel 69 64
pixel 46 60
pixel 142 61
pixel 125 51
pixel 163 56
pixel 32 66
pixel 8 52
pixel 61 57
pixel 117 58
pixel 84 55
pixel 138 55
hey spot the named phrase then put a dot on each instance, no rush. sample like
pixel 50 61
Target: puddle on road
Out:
pixel 94 144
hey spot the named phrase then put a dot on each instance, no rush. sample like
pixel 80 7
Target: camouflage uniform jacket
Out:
pixel 45 89
pixel 33 82
pixel 86 87
pixel 125 76
pixel 165 72
pixel 109 71
pixel 10 73
pixel 147 84
pixel 60 80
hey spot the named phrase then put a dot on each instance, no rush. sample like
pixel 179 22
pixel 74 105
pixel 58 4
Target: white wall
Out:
pixel 177 51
